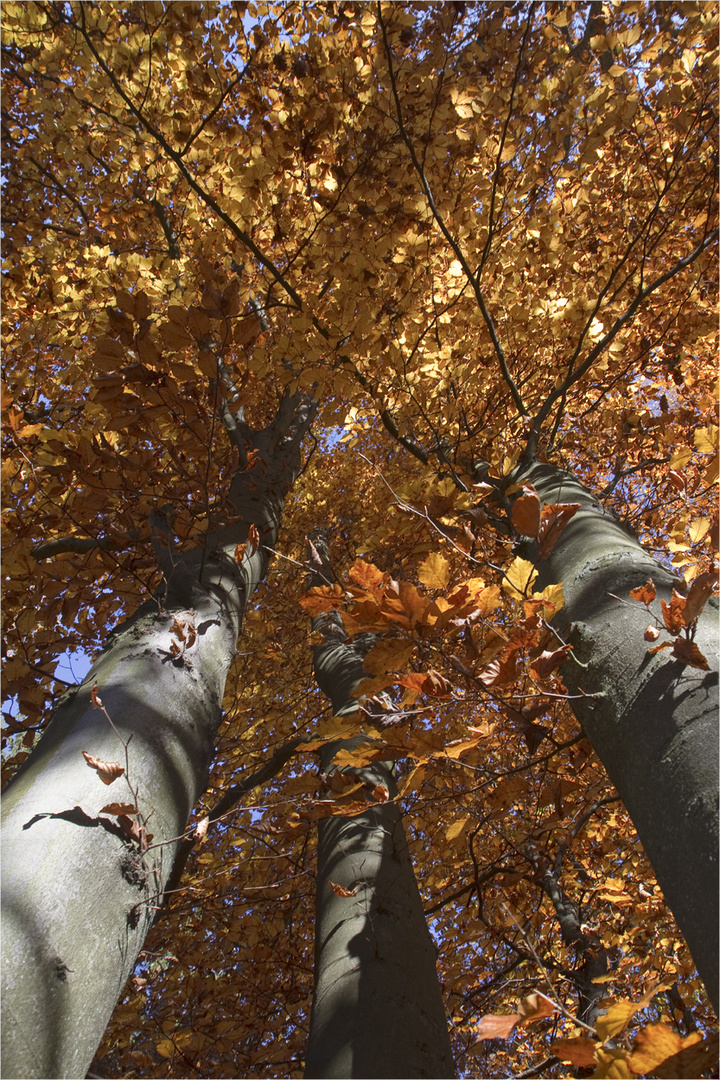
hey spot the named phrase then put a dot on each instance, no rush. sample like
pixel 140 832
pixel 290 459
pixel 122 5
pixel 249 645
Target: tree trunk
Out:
pixel 78 893
pixel 377 1007
pixel 651 719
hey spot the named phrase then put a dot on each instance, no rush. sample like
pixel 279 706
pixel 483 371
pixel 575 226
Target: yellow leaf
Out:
pixel 655 1043
pixel 165 1048
pixel 613 1065
pixel 551 595
pixel 434 571
pixel 698 528
pixel 457 827
pixel 681 457
pixel 519 578
pixel 706 439
pixel 615 1019
pixel 388 655
pixel 454 750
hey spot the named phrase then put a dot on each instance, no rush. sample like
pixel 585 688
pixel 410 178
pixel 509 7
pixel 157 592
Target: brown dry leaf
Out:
pixel 554 520
pixel 579 1052
pixel 380 793
pixel 500 672
pixel 119 808
pixel 700 592
pixel 644 593
pixel 688 652
pixel 253 539
pixel 677 480
pixel 340 890
pixel 547 662
pixel 674 613
pixel 108 771
pixel 94 699
pixel 526 512
pixel 535 1007
pixel 651 633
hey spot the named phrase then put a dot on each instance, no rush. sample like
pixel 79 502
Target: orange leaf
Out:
pixel 108 771
pixel 495 1026
pixel 380 793
pixel 340 890
pixel 700 592
pixel 579 1052
pixel 688 652
pixel 253 539
pixel 526 512
pixel 500 672
pixel 691 1062
pixel 554 520
pixel 535 1007
pixel 651 633
pixel 239 552
pixel 119 808
pixel 677 480
pixel 655 1043
pixel 94 699
pixel 674 613
pixel 547 662
pixel 644 593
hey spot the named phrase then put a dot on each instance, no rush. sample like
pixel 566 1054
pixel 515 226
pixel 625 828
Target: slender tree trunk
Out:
pixel 651 719
pixel 377 1007
pixel 78 893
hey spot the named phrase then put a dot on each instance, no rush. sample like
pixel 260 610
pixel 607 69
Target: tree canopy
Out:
pixel 478 234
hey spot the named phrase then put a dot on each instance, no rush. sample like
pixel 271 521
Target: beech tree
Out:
pixel 474 246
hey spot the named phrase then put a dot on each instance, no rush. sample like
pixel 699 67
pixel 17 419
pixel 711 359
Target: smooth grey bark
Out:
pixel 652 720
pixel 78 896
pixel 377 1007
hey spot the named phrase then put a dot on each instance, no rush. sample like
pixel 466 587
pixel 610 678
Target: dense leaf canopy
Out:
pixel 471 230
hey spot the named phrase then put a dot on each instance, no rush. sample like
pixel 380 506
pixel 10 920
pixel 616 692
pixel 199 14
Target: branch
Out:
pixel 75 544
pixel 176 157
pixel 457 250
pixel 232 796
pixel 173 247
pixel 622 320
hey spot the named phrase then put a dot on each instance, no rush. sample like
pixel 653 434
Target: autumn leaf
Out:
pixel 119 808
pixel 548 661
pixel 519 577
pixel 674 613
pixel 579 1051
pixel 494 1026
pixel 434 571
pixel 526 512
pixel 687 651
pixel 108 771
pixel 389 654
pixel 554 520
pixel 94 699
pixel 341 891
pixel 644 593
pixel 701 590
pixel 655 1043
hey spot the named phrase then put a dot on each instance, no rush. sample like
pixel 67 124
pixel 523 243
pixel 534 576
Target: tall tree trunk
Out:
pixel 78 890
pixel 377 1007
pixel 651 719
